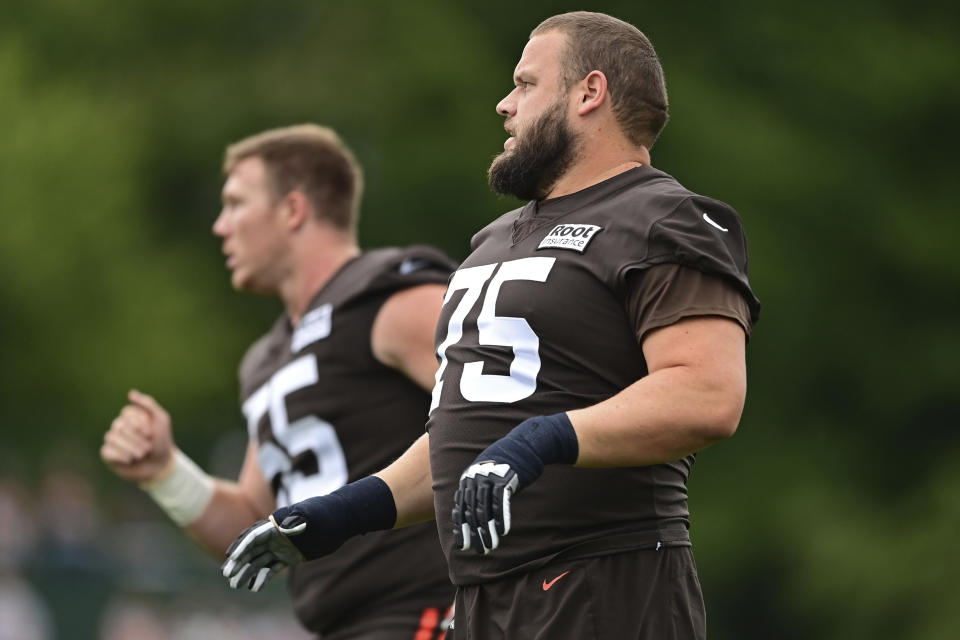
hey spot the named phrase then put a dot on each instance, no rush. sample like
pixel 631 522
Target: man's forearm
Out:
pixel 410 482
pixel 228 513
pixel 663 417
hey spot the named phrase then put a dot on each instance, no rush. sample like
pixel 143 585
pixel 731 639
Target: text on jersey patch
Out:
pixel 314 326
pixel 569 236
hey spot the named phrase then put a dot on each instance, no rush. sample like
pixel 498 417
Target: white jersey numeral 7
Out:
pixel 492 329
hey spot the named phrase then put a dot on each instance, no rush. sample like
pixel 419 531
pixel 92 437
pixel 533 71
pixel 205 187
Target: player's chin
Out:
pixel 247 283
pixel 498 159
pixel 241 281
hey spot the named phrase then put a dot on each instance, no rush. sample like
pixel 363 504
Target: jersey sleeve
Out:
pixel 415 265
pixel 702 234
pixel 665 294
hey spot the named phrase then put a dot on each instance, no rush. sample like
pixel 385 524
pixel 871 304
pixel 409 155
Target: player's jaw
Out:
pixel 534 160
pixel 255 255
pixel 237 274
pixel 248 277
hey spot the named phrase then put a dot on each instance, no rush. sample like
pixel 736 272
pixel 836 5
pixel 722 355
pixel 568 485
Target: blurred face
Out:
pixel 541 146
pixel 250 225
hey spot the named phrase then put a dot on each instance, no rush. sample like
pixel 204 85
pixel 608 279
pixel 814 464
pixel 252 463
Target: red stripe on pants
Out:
pixel 428 624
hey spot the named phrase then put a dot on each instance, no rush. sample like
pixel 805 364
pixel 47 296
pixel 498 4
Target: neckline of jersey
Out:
pixel 554 207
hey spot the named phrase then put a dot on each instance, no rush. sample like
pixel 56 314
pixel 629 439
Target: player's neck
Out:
pixel 597 165
pixel 316 261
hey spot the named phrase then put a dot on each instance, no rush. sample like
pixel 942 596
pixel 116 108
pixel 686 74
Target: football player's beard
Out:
pixel 538 159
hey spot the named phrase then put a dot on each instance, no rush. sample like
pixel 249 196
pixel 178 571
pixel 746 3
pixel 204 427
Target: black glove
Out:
pixel 482 503
pixel 307 530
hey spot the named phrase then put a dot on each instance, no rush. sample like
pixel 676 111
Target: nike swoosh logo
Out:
pixel 409 265
pixel 713 224
pixel 547 585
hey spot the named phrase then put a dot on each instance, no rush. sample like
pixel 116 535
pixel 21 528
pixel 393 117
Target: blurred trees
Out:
pixel 833 511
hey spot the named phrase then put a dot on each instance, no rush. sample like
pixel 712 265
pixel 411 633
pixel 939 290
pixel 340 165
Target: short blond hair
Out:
pixel 596 41
pixel 309 158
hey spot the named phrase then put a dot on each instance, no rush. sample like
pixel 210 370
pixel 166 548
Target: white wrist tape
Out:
pixel 185 492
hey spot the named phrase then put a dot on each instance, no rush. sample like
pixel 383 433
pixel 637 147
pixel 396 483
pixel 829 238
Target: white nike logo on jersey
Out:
pixel 409 265
pixel 713 224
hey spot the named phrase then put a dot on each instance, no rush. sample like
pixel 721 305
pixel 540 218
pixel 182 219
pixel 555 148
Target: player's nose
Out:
pixel 507 107
pixel 221 226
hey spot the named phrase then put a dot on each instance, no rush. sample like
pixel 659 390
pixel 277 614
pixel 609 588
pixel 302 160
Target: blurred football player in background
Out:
pixel 337 389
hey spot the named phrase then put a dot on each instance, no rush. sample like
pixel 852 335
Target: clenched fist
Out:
pixel 139 444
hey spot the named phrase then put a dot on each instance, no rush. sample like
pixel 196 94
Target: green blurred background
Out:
pixel 831 128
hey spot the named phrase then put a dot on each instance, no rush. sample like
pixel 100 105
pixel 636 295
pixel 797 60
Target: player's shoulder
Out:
pixel 400 258
pixel 409 265
pixel 655 206
pixel 260 359
pixel 676 225
pixel 410 259
pixel 642 197
pixel 377 272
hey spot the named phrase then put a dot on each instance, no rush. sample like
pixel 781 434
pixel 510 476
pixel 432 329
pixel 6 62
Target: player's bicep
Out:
pixel 403 332
pixel 706 354
pixel 712 344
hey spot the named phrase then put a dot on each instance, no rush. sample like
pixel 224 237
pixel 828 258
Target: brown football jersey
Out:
pixel 547 315
pixel 323 412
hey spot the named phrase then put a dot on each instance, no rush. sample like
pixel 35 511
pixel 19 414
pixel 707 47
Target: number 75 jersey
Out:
pixel 536 321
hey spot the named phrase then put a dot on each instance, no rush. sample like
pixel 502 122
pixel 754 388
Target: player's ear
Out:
pixel 296 209
pixel 593 92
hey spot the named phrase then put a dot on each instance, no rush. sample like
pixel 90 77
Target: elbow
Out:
pixel 725 428
pixel 726 408
pixel 718 429
pixel 723 418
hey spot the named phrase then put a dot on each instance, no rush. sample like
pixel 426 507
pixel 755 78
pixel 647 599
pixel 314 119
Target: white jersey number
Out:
pixel 307 434
pixel 492 329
